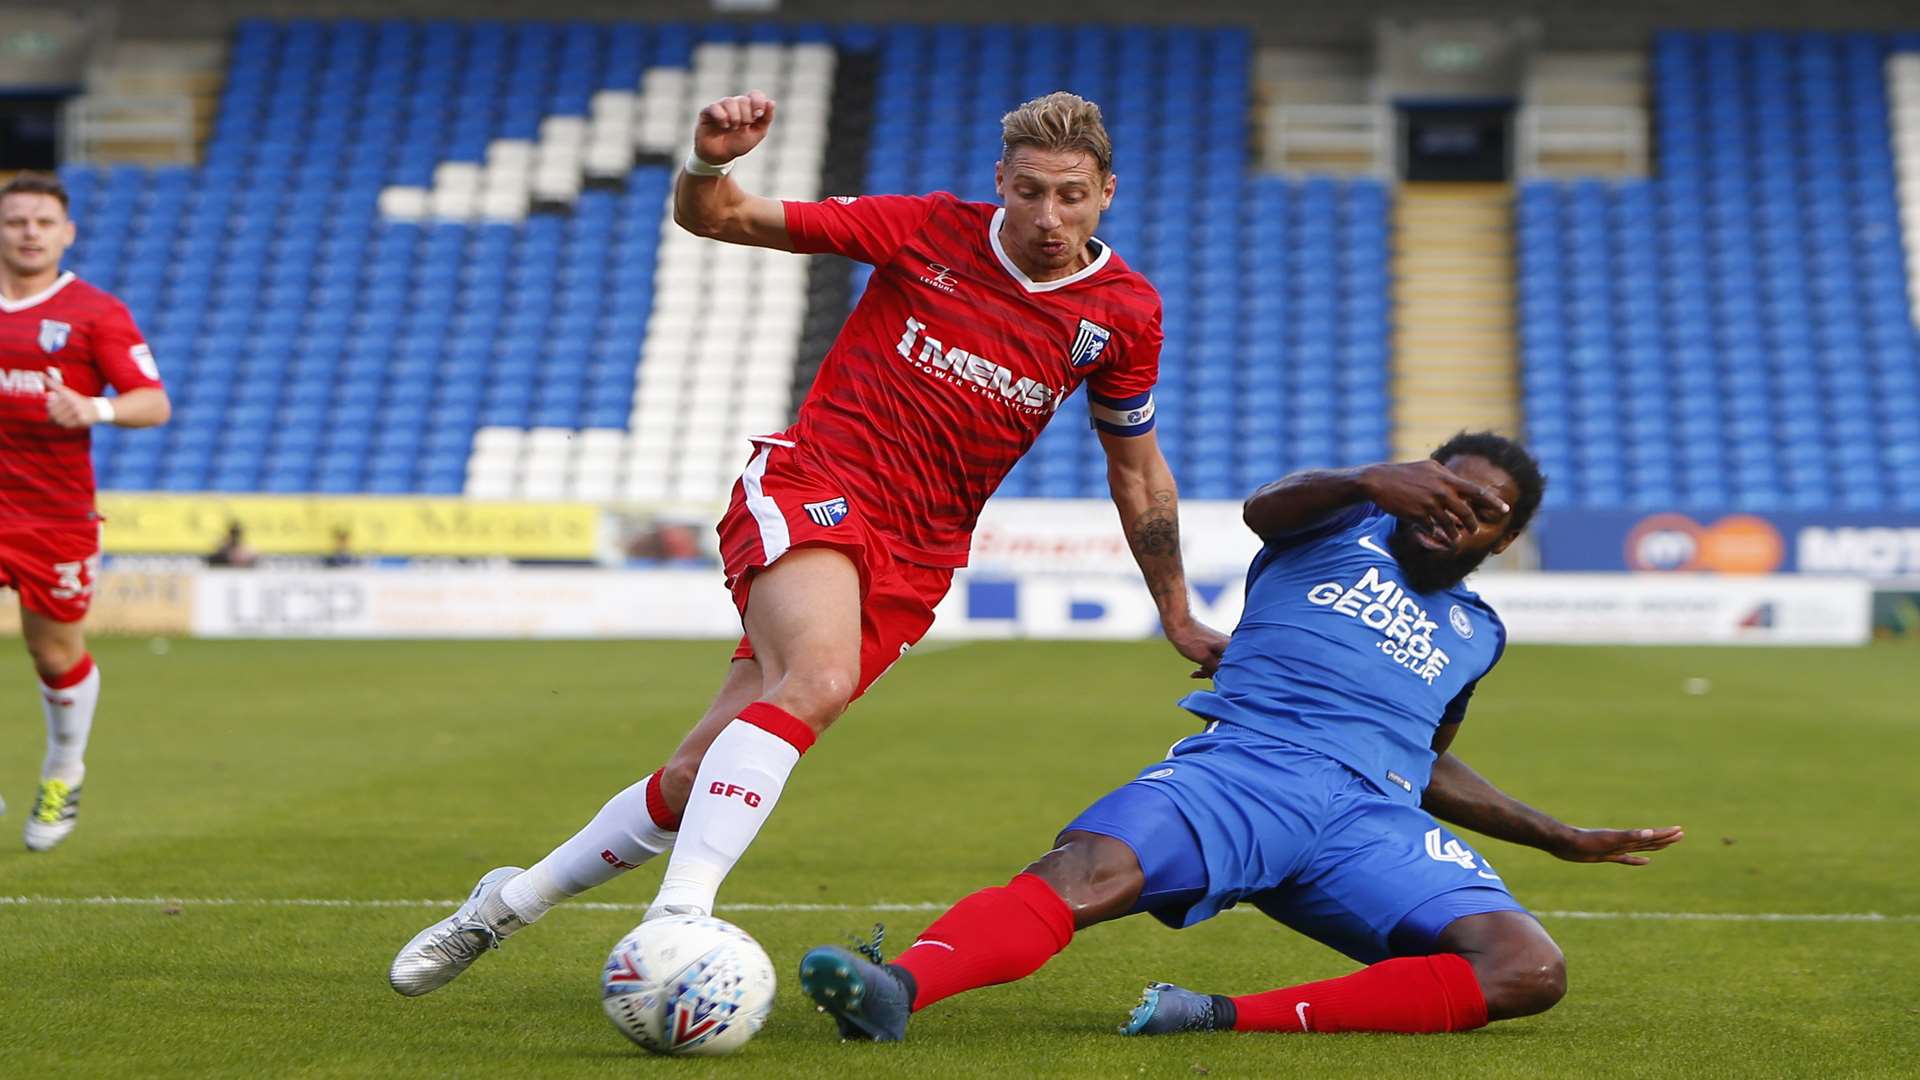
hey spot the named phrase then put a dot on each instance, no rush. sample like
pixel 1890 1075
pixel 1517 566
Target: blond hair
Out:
pixel 1060 122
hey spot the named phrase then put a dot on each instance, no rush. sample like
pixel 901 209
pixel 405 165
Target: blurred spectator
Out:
pixel 342 554
pixel 233 551
pixel 667 541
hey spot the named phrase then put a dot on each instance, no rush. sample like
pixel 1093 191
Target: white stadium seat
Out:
pixel 700 488
pixel 719 347
pixel 405 203
pixel 499 438
pixel 456 175
pixel 639 458
pixel 612 106
pixel 491 485
pixel 543 439
pixel 593 487
pixel 503 205
pixel 646 488
pixel 502 458
pixel 556 185
pixel 511 178
pixel 563 130
pixel 558 157
pixel 765 393
pixel 608 160
pixel 508 153
pixel 505 465
pixel 596 439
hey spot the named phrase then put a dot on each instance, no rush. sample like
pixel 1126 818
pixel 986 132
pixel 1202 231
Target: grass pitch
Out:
pixel 265 775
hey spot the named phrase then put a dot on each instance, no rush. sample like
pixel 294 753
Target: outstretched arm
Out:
pixel 1419 491
pixel 1459 796
pixel 714 206
pixel 1149 505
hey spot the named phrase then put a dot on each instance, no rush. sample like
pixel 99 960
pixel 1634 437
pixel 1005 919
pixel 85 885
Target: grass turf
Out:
pixel 263 770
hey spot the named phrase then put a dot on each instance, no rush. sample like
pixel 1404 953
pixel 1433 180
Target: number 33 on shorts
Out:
pixel 1450 850
pixel 74 579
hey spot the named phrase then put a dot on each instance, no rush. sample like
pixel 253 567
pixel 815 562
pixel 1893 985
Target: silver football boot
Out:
pixel 56 810
pixel 442 951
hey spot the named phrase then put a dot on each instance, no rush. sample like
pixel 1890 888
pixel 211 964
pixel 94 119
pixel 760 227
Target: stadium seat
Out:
pixel 330 282
pixel 1730 286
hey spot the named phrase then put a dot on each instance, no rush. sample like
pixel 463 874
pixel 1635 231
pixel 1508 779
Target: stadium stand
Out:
pixel 432 257
pixel 1735 333
pixel 1275 290
pixel 1903 89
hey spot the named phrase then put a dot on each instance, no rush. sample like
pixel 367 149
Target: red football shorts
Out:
pixel 779 504
pixel 51 566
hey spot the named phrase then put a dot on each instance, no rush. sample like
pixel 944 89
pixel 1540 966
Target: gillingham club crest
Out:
pixel 1089 342
pixel 53 335
pixel 829 513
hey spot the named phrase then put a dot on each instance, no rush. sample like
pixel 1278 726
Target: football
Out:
pixel 688 984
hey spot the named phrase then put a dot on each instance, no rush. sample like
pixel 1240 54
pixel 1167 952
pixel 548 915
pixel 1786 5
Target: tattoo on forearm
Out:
pixel 1157 532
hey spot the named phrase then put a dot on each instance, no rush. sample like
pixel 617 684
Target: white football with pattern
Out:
pixel 688 985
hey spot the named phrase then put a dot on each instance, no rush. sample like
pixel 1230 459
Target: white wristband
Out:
pixel 700 168
pixel 105 408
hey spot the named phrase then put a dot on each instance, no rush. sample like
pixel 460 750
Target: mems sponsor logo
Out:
pixel 23 382
pixel 971 371
pixel 1380 603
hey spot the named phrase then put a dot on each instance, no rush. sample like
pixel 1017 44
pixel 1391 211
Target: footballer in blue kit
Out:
pixel 1316 791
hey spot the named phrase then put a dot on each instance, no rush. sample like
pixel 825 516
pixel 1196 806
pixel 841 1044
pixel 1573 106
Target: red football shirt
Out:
pixel 78 335
pixel 954 360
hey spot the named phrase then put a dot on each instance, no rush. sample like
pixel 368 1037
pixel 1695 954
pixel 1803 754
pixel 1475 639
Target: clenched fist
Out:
pixel 732 126
pixel 69 409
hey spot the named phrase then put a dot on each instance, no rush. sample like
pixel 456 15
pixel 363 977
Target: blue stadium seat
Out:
pixel 1744 284
pixel 294 315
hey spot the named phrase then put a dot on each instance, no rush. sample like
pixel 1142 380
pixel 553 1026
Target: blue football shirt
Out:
pixel 1335 653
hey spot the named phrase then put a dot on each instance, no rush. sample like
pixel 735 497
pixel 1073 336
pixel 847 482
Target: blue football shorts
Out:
pixel 1232 816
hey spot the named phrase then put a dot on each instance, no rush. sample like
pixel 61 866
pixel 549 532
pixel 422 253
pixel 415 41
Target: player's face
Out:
pixel 35 233
pixel 1433 561
pixel 1053 202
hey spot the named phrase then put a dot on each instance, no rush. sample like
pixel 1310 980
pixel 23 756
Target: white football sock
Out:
pixel 620 837
pixel 69 712
pixel 739 782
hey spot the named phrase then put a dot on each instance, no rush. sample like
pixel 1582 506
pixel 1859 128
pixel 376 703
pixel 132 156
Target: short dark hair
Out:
pixel 37 183
pixel 1509 457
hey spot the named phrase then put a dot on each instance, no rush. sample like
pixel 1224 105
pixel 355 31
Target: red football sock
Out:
pixel 994 936
pixel 75 675
pixel 1413 995
pixel 657 809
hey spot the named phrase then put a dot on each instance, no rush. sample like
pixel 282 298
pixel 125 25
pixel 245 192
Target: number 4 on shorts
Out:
pixel 1455 852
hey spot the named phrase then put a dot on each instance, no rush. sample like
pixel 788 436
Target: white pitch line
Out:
pixel 592 905
pixel 1738 916
pixel 318 902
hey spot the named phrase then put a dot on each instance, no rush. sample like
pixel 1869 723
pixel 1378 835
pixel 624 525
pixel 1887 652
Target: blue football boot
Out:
pixel 870 1000
pixel 1166 1009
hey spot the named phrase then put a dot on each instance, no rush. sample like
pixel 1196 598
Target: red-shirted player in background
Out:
pixel 62 344
pixel 845 529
